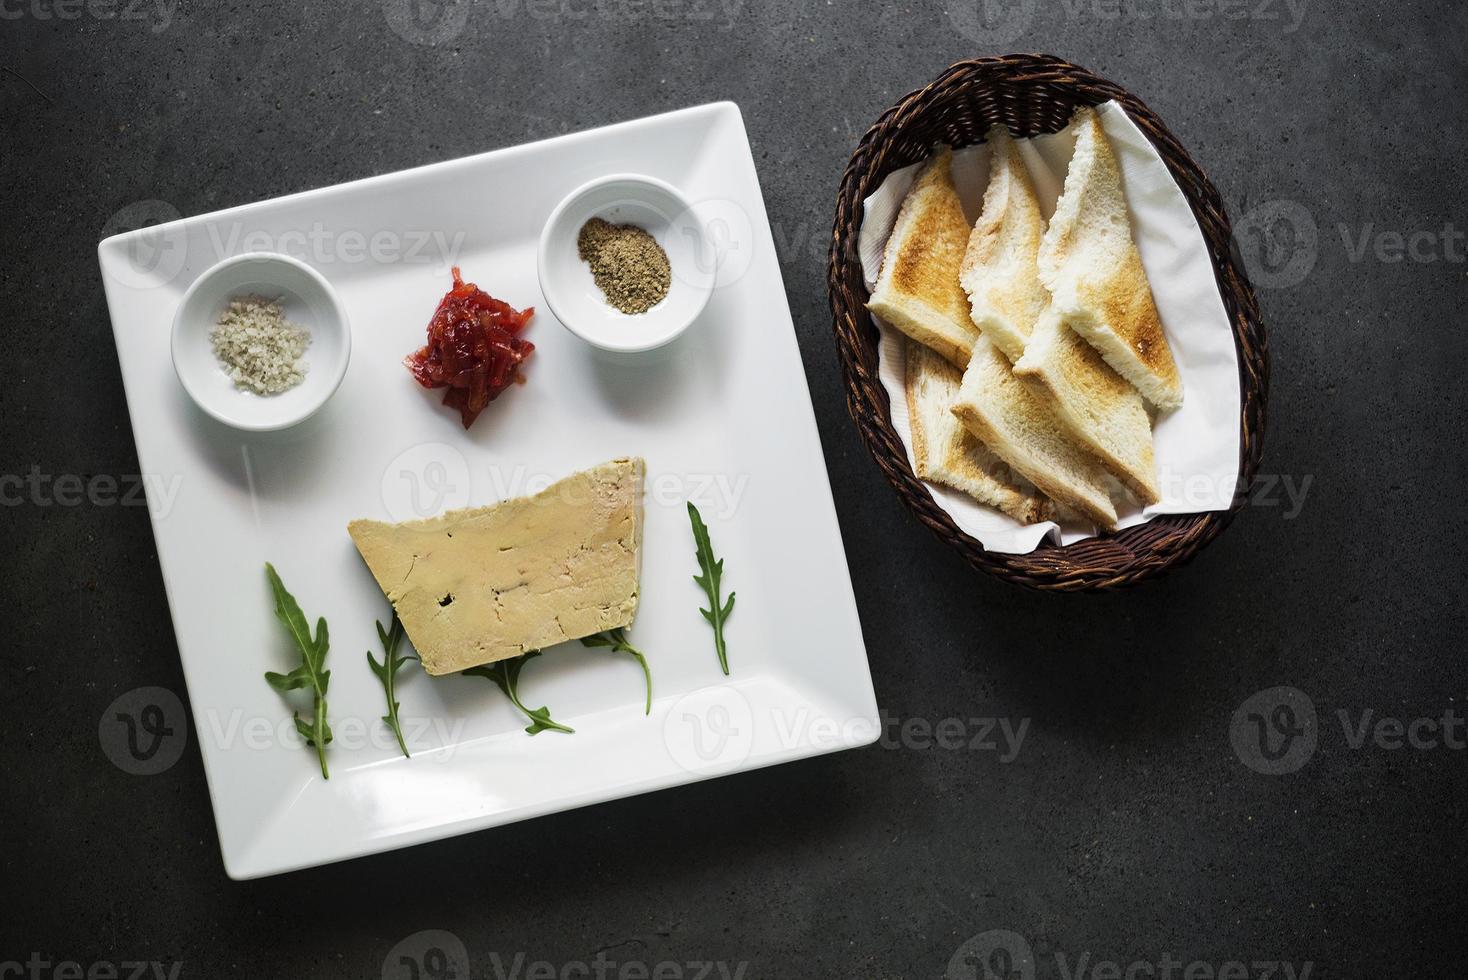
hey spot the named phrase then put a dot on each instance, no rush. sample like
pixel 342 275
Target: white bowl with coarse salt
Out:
pixel 571 291
pixel 251 369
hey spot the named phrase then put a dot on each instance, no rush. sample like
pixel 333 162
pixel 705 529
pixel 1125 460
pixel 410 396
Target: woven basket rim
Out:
pixel 1112 560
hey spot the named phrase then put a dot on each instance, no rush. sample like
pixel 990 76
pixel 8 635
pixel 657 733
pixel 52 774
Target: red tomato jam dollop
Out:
pixel 474 349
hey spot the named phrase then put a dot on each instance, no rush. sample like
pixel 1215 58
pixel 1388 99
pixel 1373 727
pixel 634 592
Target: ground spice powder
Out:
pixel 628 264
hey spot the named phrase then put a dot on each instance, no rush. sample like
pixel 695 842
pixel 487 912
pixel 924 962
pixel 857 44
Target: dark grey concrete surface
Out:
pixel 1128 829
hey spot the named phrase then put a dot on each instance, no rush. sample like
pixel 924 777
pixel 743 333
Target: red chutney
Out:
pixel 473 349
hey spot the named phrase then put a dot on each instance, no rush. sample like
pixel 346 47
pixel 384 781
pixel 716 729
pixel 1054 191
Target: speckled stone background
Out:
pixel 1129 832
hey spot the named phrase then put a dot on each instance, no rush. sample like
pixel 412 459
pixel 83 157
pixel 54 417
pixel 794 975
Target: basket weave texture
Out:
pixel 1033 94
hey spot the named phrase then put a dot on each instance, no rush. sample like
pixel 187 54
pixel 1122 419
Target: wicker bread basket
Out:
pixel 1032 94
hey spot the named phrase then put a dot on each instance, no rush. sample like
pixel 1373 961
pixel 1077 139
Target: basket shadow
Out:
pixel 1134 667
pixel 1139 666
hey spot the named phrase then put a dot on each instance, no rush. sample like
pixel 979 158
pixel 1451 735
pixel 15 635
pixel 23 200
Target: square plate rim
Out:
pixel 242 864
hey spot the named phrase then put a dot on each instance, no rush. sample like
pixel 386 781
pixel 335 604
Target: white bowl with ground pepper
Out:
pixel 625 264
pixel 261 341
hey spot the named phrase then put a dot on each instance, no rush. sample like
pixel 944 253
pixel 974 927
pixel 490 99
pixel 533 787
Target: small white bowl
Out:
pixel 309 302
pixel 572 293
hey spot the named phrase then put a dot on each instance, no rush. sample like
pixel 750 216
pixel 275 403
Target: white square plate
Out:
pixel 722 416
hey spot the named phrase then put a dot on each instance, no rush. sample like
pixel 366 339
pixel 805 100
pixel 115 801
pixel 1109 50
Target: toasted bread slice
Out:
pixel 917 290
pixel 1090 263
pixel 1017 425
pixel 1099 408
pixel 947 453
pixel 999 271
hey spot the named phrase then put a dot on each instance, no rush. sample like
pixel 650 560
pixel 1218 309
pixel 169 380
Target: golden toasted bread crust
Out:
pixel 948 454
pixel 925 325
pixel 1100 409
pixel 917 289
pixel 1021 429
pixel 999 271
pixel 934 244
pixel 1125 302
pixel 1054 489
pixel 912 386
pixel 1090 262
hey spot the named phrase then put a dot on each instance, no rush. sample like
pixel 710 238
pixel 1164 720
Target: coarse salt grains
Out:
pixel 258 347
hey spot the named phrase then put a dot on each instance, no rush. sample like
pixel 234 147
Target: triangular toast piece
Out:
pixel 917 290
pixel 485 584
pixel 1099 408
pixel 1019 427
pixel 949 454
pixel 1090 263
pixel 999 271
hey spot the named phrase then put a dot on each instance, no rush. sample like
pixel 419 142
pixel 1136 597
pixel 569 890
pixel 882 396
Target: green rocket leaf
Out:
pixel 710 580
pixel 387 671
pixel 506 675
pixel 617 640
pixel 312 672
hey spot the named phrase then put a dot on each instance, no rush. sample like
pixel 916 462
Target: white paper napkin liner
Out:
pixel 1197 446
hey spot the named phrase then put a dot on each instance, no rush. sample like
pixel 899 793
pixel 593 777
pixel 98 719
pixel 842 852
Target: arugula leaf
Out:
pixel 387 670
pixel 617 640
pixel 312 672
pixel 713 572
pixel 506 674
